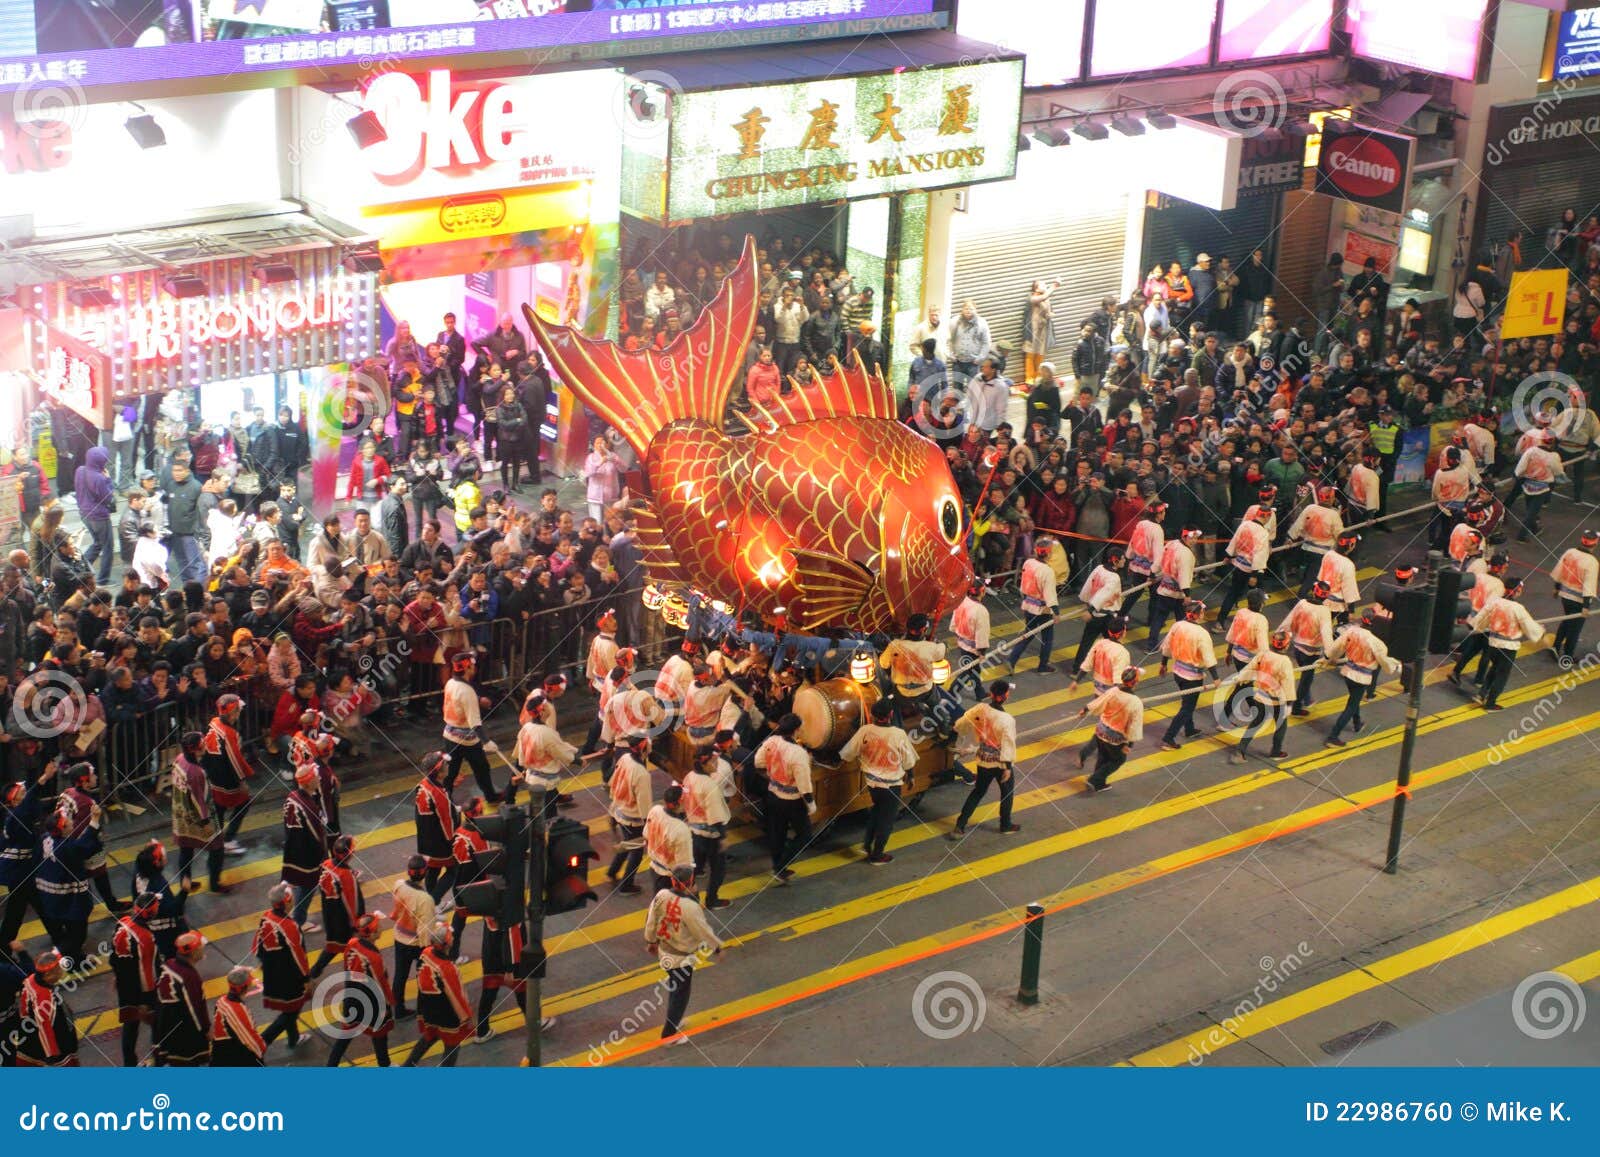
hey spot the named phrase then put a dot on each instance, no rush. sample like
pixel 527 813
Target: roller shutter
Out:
pixel 1533 196
pixel 1054 220
pixel 1182 229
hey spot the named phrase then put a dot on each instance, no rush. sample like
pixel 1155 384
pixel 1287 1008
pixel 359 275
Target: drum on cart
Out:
pixel 831 711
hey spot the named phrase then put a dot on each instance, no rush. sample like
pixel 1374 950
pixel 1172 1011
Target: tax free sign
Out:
pixel 766 147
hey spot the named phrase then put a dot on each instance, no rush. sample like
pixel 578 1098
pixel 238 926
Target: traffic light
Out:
pixel 566 877
pixel 502 871
pixel 1442 631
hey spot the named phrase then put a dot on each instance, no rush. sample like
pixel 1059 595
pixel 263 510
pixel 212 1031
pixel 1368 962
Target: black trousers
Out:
pixel 1135 579
pixel 969 678
pixel 710 862
pixel 1162 608
pixel 1351 714
pixel 880 823
pixel 473 755
pixel 285 1024
pixel 405 959
pixel 1567 633
pixel 1312 561
pixel 627 860
pixel 786 818
pixel 988 774
pixel 1093 627
pixel 1184 720
pixel 1109 759
pixel 439 881
pixel 1500 663
pixel 68 937
pixel 1474 644
pixel 452 1053
pixel 14 910
pixel 380 1049
pixel 679 981
pixel 234 817
pixel 213 863
pixel 1239 584
pixel 1302 694
pixel 486 1000
pixel 130 1045
pixel 1045 638
pixel 1266 711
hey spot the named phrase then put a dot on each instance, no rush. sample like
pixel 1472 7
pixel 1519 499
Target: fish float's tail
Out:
pixel 642 393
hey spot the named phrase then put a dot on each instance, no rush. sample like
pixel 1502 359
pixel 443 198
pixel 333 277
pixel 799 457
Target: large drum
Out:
pixel 831 711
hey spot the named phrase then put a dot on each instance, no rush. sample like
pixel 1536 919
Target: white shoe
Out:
pixel 445 907
pixel 675 1041
pixel 310 926
pixel 233 848
pixel 547 1024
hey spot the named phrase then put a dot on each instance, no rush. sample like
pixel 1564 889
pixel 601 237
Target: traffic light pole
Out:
pixel 1402 788
pixel 534 1015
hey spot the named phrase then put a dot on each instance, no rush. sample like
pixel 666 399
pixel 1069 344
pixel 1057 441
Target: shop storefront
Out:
pixel 212 339
pixel 156 271
pixel 1078 214
pixel 843 160
pixel 1541 156
pixel 480 200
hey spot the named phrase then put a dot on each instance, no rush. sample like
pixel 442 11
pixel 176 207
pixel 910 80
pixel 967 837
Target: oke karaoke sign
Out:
pixel 160 328
pixel 745 149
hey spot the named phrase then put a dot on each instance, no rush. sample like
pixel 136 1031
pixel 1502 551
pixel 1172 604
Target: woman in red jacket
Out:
pixel 1125 512
pixel 1053 511
pixel 292 704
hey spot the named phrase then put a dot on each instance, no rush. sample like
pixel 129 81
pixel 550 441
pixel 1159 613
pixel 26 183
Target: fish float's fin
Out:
pixel 848 390
pixel 654 550
pixel 830 586
pixel 642 393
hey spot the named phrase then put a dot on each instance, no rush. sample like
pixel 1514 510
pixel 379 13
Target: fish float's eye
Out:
pixel 950 518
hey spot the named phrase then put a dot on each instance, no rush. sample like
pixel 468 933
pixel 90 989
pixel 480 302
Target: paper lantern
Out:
pixel 941 671
pixel 653 597
pixel 675 610
pixel 862 668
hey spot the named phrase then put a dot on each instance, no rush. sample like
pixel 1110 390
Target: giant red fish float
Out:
pixel 828 513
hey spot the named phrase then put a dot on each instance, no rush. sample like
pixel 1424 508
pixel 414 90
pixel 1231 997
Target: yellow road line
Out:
pixel 1356 981
pixel 985 927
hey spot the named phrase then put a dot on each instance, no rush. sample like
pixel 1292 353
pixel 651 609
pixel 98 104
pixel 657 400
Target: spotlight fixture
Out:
pixel 276 273
pixel 366 129
pixel 183 285
pixel 1128 126
pixel 1052 135
pixel 364 261
pixel 144 130
pixel 1162 119
pixel 1092 130
pixel 91 297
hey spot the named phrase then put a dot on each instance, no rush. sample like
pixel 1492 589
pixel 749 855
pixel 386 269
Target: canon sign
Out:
pixel 1366 167
pixel 438 124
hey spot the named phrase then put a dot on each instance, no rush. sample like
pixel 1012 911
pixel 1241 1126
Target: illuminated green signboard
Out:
pixel 741 150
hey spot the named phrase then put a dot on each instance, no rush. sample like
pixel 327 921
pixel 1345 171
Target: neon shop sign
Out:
pixel 159 329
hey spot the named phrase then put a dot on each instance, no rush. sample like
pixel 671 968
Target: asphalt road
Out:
pixel 1199 912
